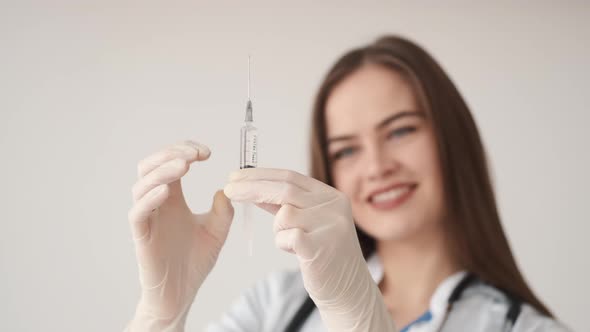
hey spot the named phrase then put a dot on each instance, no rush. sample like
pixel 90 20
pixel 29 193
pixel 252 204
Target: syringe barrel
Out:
pixel 248 146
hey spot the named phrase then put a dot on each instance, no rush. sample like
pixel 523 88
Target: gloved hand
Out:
pixel 175 248
pixel 314 221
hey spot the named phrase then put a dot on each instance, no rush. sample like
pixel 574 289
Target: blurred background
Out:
pixel 89 88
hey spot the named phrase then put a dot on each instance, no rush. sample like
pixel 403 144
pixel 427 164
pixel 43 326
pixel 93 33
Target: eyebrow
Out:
pixel 385 122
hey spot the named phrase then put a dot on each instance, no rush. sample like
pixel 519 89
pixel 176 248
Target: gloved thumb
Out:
pixel 220 217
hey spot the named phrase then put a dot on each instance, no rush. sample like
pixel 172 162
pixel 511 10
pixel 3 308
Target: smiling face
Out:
pixel 382 154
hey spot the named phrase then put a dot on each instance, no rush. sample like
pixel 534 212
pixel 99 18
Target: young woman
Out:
pixel 396 229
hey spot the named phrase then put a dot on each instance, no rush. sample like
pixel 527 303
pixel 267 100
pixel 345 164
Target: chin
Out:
pixel 389 229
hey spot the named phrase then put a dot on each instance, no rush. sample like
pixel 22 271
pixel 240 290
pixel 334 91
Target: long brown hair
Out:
pixel 473 221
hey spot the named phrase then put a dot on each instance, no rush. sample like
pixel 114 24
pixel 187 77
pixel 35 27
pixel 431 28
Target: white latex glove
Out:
pixel 175 248
pixel 314 221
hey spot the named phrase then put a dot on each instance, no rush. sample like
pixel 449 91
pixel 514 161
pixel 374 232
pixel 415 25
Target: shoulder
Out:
pixel 488 303
pixel 277 287
pixel 264 306
pixel 283 282
pixel 530 320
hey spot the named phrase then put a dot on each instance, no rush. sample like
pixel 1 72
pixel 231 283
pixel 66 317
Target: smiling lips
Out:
pixel 392 196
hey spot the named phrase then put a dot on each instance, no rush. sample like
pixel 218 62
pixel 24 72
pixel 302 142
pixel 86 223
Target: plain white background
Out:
pixel 87 89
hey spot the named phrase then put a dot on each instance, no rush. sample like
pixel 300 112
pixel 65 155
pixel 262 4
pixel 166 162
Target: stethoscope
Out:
pixel 469 279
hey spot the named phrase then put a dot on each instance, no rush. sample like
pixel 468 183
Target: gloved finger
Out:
pixel 278 175
pixel 294 241
pixel 270 192
pixel 188 150
pixel 224 211
pixel 170 171
pixel 142 210
pixel 270 208
pixel 288 216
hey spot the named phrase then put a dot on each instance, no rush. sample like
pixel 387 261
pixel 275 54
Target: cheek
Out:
pixel 346 179
pixel 426 166
pixel 420 157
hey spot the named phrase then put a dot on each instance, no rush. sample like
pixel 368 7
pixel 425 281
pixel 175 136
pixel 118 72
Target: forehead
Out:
pixel 366 97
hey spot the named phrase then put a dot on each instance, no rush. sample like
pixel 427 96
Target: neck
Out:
pixel 412 270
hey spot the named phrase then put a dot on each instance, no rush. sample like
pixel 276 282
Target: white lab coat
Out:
pixel 270 305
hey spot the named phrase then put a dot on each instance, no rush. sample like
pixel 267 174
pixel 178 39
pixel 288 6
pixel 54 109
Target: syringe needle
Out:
pixel 248 76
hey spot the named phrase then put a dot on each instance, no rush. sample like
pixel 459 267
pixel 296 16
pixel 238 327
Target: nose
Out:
pixel 378 163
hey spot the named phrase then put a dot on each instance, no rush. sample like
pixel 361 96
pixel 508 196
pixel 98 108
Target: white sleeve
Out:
pixel 530 320
pixel 267 306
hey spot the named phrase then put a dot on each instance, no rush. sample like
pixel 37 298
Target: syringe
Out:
pixel 249 134
pixel 248 159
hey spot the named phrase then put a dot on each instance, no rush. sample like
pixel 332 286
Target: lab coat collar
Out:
pixel 440 298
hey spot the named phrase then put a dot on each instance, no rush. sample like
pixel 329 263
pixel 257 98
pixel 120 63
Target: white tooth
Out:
pixel 390 195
